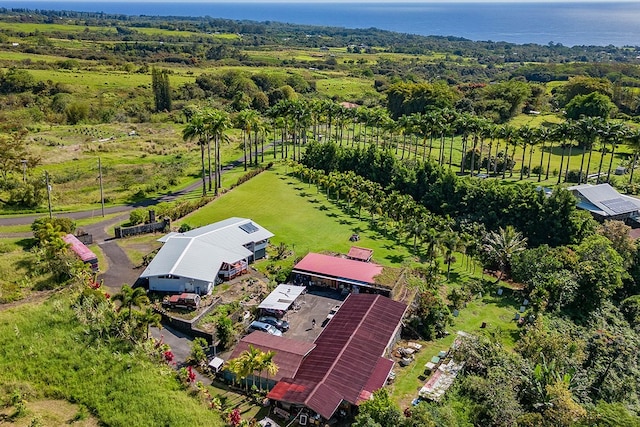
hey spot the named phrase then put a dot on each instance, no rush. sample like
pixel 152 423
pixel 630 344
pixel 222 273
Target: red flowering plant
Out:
pixel 234 418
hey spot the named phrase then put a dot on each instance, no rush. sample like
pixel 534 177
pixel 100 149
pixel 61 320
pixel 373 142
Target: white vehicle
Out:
pixel 333 312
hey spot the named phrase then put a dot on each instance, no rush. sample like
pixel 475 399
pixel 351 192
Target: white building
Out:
pixel 194 261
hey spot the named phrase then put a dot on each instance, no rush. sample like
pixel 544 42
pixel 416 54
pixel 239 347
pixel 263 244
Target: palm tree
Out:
pixel 246 120
pixel 130 297
pixel 149 318
pixel 195 129
pixel 502 245
pixel 633 138
pixel 526 134
pixel 450 243
pixel 617 133
pixel 264 362
pixel 217 123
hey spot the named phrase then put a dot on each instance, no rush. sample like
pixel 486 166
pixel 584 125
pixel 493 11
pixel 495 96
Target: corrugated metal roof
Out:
pixel 359 253
pixel 364 272
pixel 199 253
pixel 288 356
pixel 281 297
pixel 79 248
pixel 604 200
pixel 347 363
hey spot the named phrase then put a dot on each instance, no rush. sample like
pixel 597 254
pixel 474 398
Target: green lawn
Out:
pixel 299 216
pixel 496 311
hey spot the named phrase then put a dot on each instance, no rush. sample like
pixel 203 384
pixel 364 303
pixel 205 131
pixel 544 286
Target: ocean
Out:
pixel 571 24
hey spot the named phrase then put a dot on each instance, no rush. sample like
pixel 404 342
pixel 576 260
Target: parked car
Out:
pixel 264 327
pixel 282 325
pixel 333 312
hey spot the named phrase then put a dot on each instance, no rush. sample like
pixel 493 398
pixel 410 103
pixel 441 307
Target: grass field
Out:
pixel 46 357
pixel 299 216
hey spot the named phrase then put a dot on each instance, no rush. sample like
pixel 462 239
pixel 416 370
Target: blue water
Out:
pixel 588 23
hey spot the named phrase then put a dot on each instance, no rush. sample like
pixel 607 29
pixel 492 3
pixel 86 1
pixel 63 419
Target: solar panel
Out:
pixel 620 205
pixel 249 228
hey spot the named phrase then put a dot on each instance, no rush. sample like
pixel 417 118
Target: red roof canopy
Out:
pixel 80 249
pixel 337 267
pixel 347 363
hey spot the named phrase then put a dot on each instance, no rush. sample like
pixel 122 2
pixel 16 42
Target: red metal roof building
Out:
pixel 288 356
pixel 82 251
pixel 360 254
pixel 336 272
pixel 348 364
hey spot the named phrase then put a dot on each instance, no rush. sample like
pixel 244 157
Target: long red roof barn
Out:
pixel 347 363
pixel 339 268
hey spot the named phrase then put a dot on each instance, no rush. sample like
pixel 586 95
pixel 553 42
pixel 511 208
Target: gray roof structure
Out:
pixel 199 253
pixel 603 200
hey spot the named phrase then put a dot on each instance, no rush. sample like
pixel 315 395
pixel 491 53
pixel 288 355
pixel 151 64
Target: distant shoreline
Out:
pixel 569 23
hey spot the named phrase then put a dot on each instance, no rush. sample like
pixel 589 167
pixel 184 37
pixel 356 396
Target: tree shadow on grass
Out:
pixel 397 259
pixel 27 244
pixel 345 222
pixel 323 208
pixel 332 215
pixel 314 201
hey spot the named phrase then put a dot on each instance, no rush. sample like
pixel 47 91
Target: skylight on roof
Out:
pixel 249 228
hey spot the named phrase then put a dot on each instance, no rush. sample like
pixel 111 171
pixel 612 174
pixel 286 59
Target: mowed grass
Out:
pixel 299 216
pixel 47 355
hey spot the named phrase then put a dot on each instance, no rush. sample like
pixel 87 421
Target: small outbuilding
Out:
pixel 281 299
pixel 81 250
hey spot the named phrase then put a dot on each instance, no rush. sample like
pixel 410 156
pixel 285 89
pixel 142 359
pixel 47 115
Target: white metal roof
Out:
pixel 282 297
pixel 604 200
pixel 199 253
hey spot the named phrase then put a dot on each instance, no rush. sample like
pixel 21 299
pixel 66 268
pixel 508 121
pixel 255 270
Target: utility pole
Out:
pixel 46 176
pixel 101 189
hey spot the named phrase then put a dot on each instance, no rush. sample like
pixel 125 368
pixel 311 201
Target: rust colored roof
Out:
pixel 347 363
pixel 339 268
pixel 80 249
pixel 634 233
pixel 288 356
pixel 362 254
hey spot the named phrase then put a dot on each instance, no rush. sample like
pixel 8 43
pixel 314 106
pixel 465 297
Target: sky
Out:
pixel 351 1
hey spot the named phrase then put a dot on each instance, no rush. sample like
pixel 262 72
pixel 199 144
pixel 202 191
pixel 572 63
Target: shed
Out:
pixel 281 299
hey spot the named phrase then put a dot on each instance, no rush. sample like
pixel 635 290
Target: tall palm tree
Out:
pixel 264 362
pixel 195 129
pixel 633 138
pixel 216 123
pixel 502 245
pixel 617 133
pixel 527 136
pixel 450 242
pixel 130 297
pixel 542 135
pixel 246 120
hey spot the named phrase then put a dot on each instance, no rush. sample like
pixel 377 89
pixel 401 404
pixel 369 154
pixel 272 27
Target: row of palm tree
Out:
pixel 484 145
pixel 425 135
pixel 253 362
pixel 205 125
pixel 398 215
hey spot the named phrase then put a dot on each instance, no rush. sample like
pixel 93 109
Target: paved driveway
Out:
pixel 315 304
